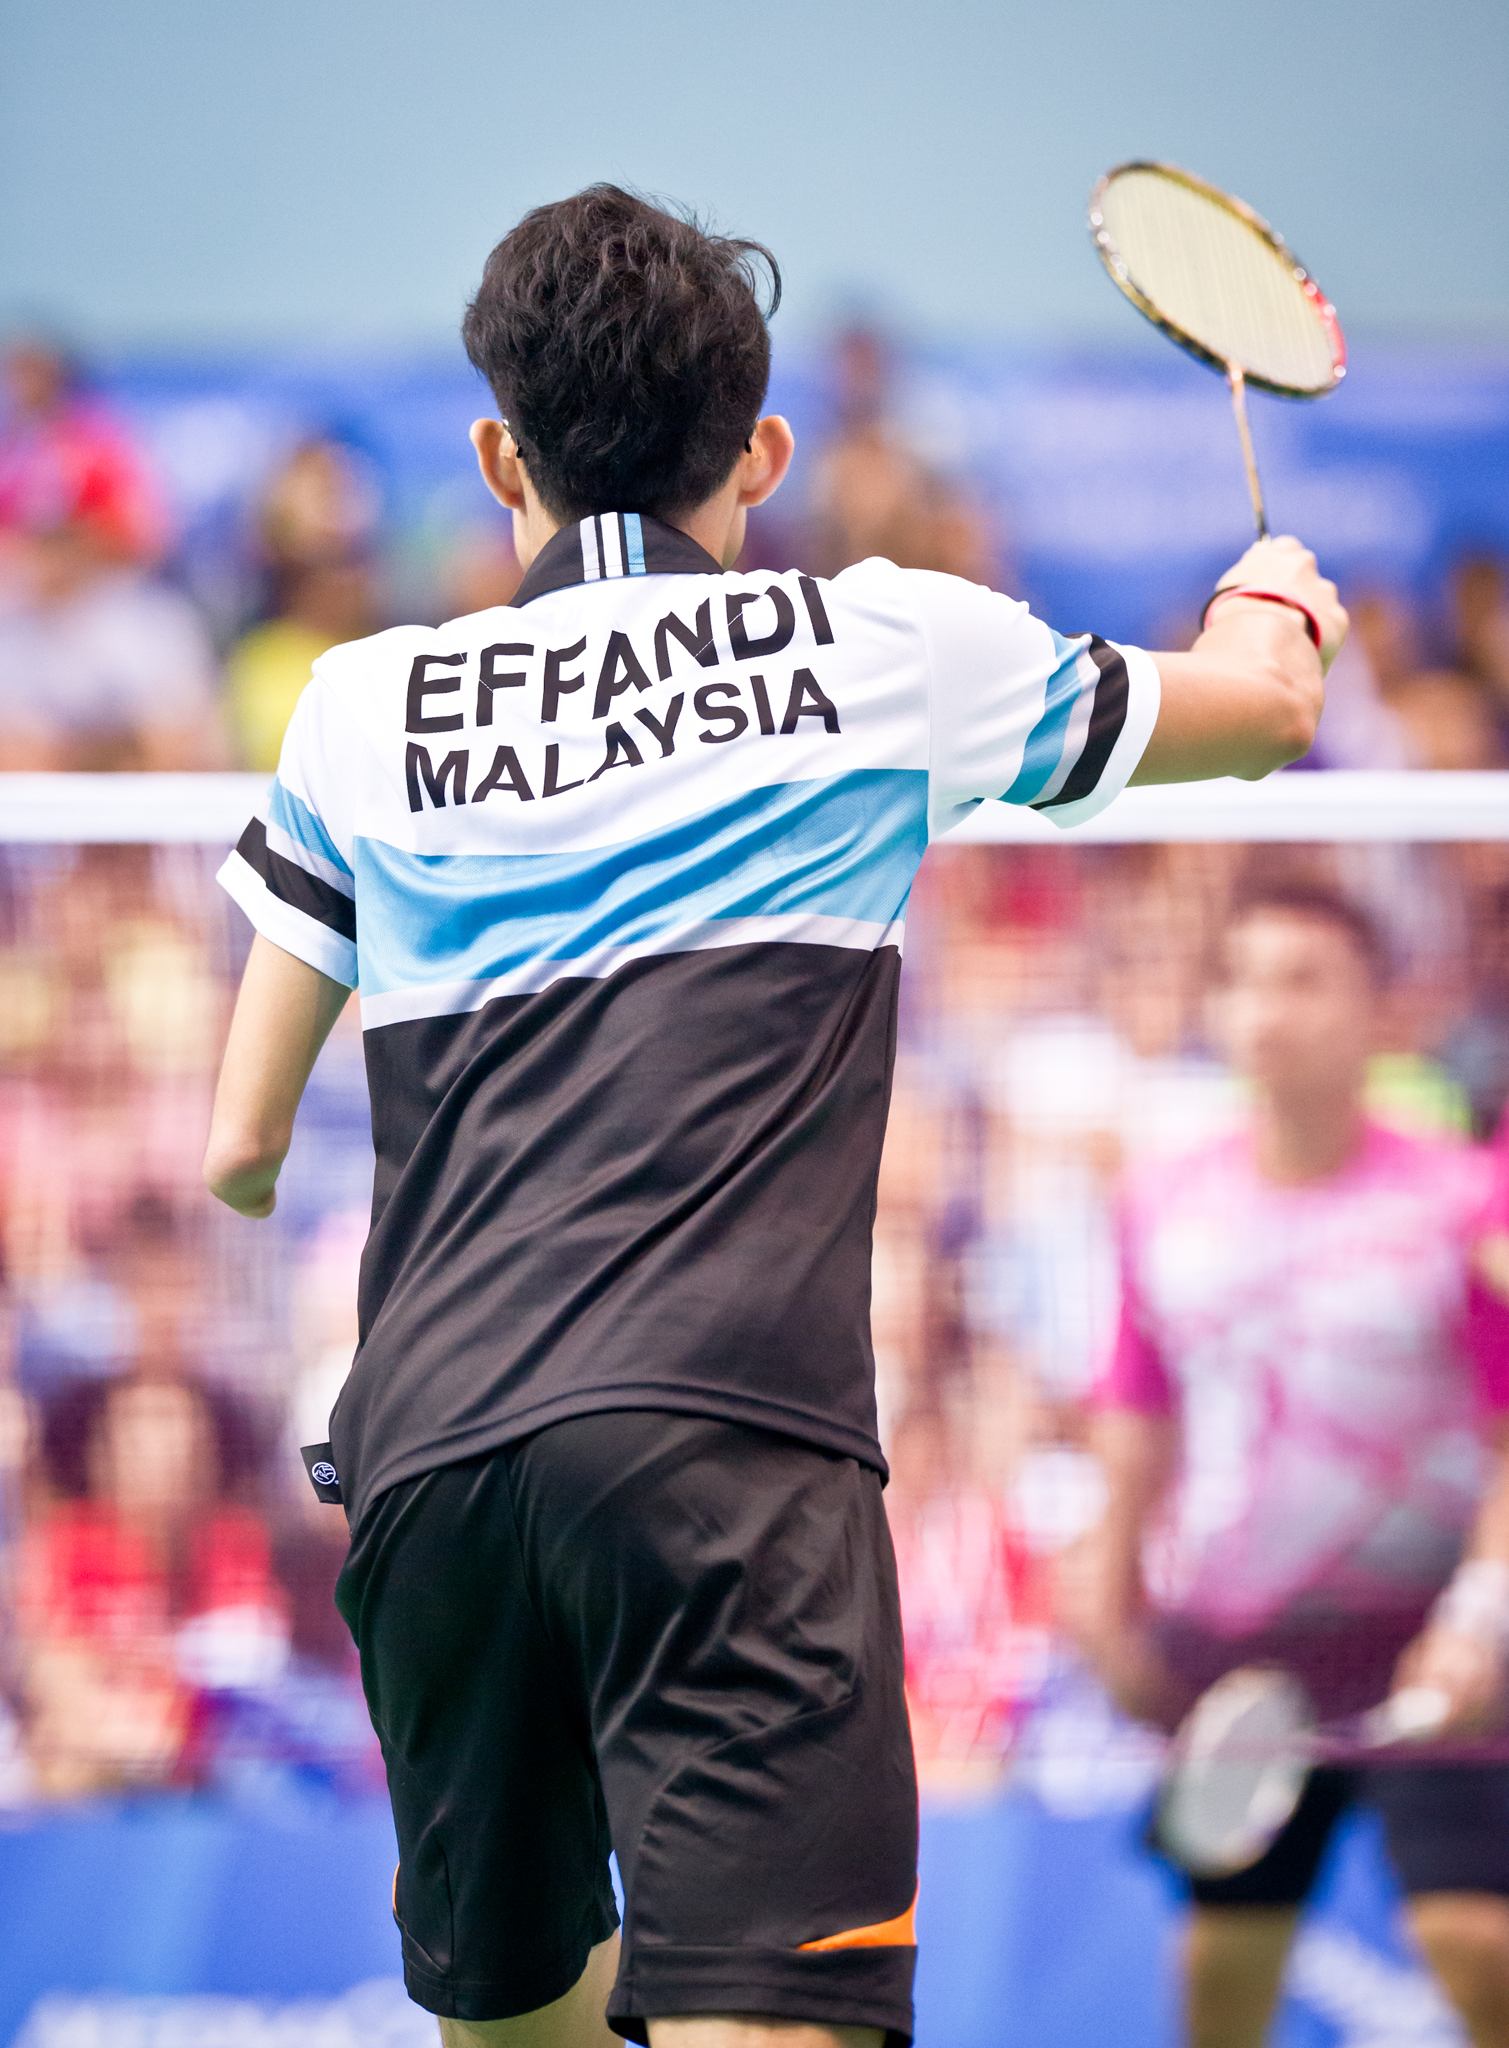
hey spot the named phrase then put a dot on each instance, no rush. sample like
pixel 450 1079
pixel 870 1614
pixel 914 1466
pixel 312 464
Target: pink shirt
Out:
pixel 1332 1363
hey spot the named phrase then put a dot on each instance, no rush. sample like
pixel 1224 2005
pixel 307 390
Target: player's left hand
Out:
pixel 1468 1670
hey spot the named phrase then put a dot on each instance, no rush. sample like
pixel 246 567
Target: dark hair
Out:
pixel 76 1411
pixel 627 351
pixel 1320 905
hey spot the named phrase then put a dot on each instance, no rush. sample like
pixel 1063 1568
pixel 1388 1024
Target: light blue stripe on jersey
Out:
pixel 302 826
pixel 634 536
pixel 1045 742
pixel 846 847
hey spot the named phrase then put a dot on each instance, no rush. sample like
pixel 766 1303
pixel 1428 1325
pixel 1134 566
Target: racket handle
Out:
pixel 1238 385
pixel 1409 1715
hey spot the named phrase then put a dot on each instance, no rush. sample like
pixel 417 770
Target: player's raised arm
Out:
pixel 1247 697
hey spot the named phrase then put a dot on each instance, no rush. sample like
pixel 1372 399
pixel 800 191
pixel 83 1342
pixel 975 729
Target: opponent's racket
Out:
pixel 1217 279
pixel 1242 1758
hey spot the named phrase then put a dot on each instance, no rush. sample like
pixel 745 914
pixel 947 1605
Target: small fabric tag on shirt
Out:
pixel 319 1463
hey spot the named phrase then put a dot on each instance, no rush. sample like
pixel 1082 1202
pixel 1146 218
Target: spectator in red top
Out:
pixel 143 1585
pixel 974 1604
pixel 66 462
pixel 100 666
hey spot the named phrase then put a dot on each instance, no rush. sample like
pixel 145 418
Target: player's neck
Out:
pixel 716 525
pixel 1305 1138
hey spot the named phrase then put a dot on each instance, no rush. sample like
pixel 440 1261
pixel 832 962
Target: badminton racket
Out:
pixel 1243 1756
pixel 1216 279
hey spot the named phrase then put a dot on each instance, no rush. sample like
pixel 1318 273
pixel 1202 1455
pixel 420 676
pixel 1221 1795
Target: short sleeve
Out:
pixel 1019 712
pixel 292 868
pixel 1485 1324
pixel 1487 1333
pixel 1134 1375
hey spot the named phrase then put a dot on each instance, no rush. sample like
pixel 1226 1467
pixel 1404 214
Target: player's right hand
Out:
pixel 1469 1671
pixel 1285 565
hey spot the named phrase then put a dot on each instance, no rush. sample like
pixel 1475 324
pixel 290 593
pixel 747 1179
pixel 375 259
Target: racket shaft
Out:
pixel 1414 1715
pixel 1238 385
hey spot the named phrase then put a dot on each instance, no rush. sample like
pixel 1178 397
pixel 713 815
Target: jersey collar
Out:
pixel 609 544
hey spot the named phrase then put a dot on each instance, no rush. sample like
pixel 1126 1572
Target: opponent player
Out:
pixel 1305 1424
pixel 621 872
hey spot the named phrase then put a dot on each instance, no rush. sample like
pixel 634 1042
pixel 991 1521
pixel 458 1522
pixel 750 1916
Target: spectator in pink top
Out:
pixel 1305 1429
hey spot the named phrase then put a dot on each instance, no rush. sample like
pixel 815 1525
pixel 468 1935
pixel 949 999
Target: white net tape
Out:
pixel 209 810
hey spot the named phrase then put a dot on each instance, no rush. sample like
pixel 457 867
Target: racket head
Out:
pixel 1216 279
pixel 1237 1771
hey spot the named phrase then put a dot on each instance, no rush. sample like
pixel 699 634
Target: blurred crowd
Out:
pixel 165 1571
pixel 108 661
pixel 165 1586
pixel 166 1618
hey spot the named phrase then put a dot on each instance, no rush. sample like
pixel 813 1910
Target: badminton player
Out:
pixel 620 870
pixel 1306 1427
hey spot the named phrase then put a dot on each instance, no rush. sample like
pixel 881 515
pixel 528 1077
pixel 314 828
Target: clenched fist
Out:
pixel 1287 568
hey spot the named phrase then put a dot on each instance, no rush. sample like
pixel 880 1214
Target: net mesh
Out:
pixel 1057 1058
pixel 166 1588
pixel 1213 276
pixel 1062 1179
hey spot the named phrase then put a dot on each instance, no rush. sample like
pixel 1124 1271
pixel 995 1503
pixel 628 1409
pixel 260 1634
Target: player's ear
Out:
pixel 498 460
pixel 764 463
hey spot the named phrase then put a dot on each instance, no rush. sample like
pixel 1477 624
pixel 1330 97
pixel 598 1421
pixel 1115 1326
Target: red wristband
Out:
pixel 1312 624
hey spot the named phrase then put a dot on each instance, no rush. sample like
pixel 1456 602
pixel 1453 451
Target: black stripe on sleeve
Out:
pixel 294 885
pixel 1107 718
pixel 602 552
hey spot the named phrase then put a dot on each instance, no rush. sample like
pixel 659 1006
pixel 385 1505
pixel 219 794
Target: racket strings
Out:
pixel 1213 275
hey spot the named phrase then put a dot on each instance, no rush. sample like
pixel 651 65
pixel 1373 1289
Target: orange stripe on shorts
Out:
pixel 898 1933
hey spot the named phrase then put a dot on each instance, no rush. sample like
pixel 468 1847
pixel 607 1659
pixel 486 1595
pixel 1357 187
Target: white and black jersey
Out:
pixel 620 871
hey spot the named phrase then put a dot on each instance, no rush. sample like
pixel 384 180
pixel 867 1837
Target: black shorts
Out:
pixel 1447 1828
pixel 671 1635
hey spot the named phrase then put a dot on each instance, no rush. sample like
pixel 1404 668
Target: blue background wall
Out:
pixel 1114 484
pixel 1033 1929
